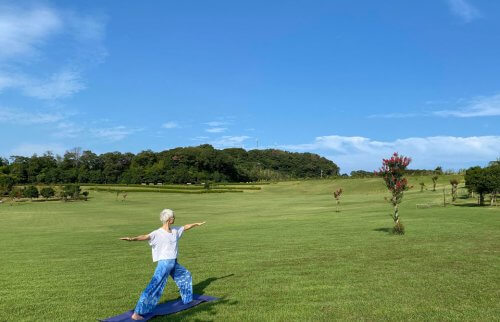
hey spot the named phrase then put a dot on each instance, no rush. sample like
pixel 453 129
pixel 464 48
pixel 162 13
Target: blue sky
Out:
pixel 351 80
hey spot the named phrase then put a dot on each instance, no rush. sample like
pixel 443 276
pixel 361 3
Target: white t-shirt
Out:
pixel 164 244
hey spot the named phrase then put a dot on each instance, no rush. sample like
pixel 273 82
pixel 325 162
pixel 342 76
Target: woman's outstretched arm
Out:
pixel 189 226
pixel 137 238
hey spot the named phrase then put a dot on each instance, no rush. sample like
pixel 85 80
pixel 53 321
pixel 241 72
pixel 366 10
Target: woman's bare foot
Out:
pixel 136 316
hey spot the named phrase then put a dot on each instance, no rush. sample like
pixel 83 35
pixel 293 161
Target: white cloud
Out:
pixel 113 134
pixel 353 153
pixel 394 115
pixel 22 31
pixel 68 130
pixel 170 125
pixel 18 116
pixel 200 138
pixel 464 10
pixel 59 85
pixel 229 141
pixel 480 106
pixel 216 130
pixel 26 36
pixel 28 149
pixel 215 123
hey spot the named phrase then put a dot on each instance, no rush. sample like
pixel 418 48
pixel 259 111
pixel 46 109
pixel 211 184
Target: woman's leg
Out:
pixel 151 295
pixel 184 281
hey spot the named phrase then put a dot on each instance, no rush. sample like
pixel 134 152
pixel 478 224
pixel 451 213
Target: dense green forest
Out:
pixel 180 165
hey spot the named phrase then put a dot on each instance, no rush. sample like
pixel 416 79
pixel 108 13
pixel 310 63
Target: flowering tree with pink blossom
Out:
pixel 392 171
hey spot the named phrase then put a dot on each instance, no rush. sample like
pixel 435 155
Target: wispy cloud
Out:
pixel 23 31
pixel 395 115
pixel 26 32
pixel 112 134
pixel 479 106
pixel 230 141
pixel 28 149
pixel 170 125
pixel 352 152
pixel 216 130
pixel 215 123
pixel 22 117
pixel 65 130
pixel 464 10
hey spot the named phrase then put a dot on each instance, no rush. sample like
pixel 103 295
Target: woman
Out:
pixel 163 242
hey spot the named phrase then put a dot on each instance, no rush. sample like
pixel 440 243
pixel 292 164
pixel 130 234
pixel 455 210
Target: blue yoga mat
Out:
pixel 163 309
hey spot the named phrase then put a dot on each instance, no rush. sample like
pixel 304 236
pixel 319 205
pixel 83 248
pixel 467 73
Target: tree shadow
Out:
pixel 469 205
pixel 384 230
pixel 208 307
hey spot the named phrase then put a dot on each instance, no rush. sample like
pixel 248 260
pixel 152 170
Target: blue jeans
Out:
pixel 151 295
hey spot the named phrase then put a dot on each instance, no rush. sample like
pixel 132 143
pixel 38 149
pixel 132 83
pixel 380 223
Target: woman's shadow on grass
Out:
pixel 208 307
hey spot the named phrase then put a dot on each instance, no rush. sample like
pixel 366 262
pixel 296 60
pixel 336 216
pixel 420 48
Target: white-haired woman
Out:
pixel 163 242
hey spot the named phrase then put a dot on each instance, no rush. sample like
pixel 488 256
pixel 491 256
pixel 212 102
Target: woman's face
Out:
pixel 172 220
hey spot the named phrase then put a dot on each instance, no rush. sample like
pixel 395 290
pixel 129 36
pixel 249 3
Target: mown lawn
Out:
pixel 281 253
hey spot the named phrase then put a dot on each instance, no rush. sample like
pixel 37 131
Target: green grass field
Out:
pixel 277 254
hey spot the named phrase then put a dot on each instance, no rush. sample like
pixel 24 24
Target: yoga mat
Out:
pixel 163 309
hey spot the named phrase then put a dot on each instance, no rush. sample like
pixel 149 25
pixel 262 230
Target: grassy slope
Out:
pixel 281 253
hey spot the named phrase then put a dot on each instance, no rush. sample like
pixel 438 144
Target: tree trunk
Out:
pixel 396 214
pixel 481 199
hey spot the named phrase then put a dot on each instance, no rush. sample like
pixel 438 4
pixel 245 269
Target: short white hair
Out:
pixel 166 214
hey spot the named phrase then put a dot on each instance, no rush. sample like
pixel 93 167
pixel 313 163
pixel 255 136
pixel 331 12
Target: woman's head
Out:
pixel 167 215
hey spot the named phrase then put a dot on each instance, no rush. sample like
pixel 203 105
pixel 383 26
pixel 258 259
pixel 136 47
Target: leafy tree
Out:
pixel 422 186
pixel 484 181
pixel 392 171
pixel 6 184
pixel 47 192
pixel 30 192
pixel 434 181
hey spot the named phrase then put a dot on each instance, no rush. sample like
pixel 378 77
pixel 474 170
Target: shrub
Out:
pixel 72 191
pixel 47 192
pixel 85 195
pixel 30 192
pixel 6 184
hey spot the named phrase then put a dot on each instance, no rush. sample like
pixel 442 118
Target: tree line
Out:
pixel 179 165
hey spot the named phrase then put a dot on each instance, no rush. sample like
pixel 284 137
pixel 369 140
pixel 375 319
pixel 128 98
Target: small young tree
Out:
pixel 422 186
pixel 30 192
pixel 392 171
pixel 72 191
pixel 454 189
pixel 124 197
pixel 47 192
pixel 336 195
pixel 85 195
pixel 434 181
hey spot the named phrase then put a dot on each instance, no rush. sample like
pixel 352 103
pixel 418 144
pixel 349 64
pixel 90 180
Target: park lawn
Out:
pixel 281 253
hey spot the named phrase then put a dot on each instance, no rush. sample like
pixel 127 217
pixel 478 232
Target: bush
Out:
pixel 30 192
pixel 85 195
pixel 6 184
pixel 399 228
pixel 72 191
pixel 47 192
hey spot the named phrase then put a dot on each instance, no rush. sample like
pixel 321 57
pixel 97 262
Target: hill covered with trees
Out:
pixel 180 165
